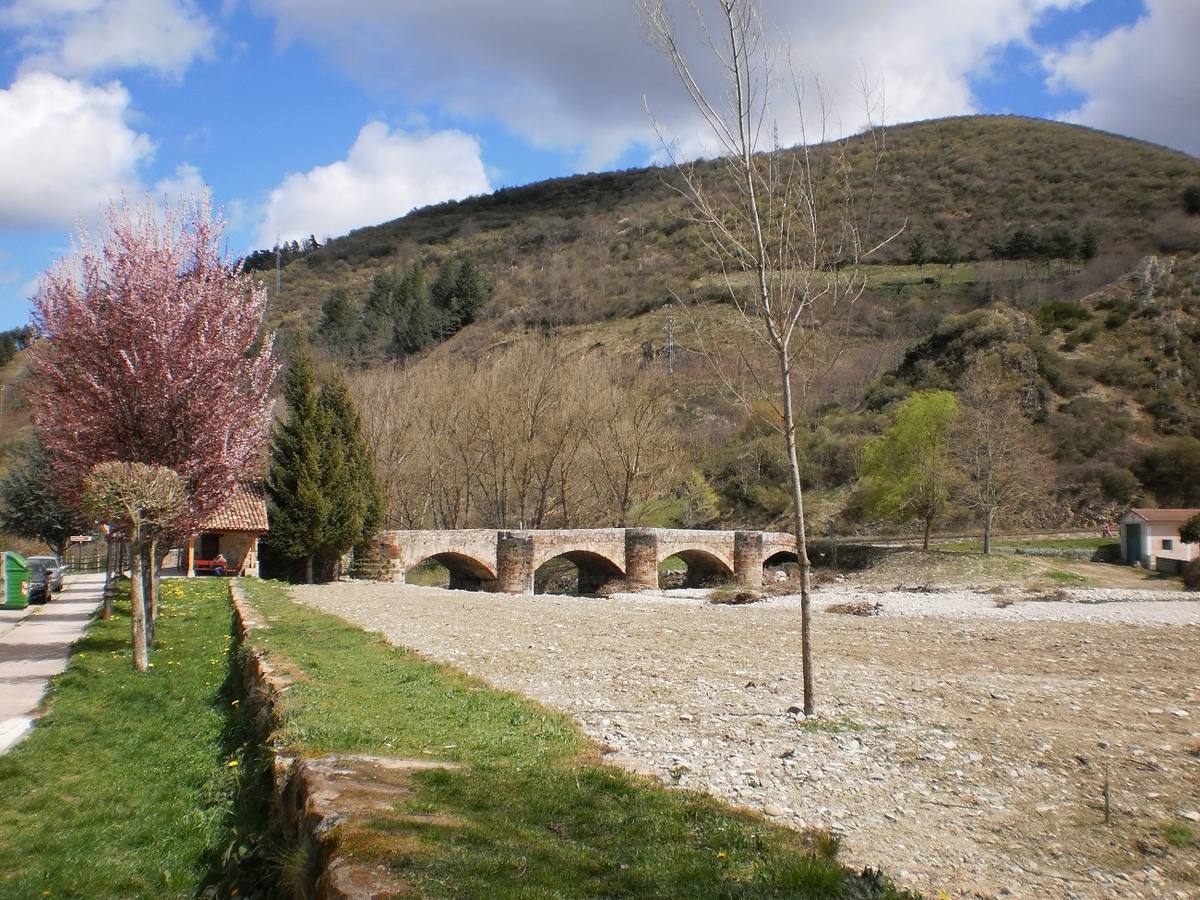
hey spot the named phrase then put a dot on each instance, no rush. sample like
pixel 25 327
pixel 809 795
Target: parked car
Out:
pixel 54 567
pixel 39 582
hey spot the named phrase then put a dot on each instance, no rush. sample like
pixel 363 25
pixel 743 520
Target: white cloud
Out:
pixel 85 37
pixel 385 174
pixel 66 149
pixel 572 76
pixel 1139 79
pixel 185 185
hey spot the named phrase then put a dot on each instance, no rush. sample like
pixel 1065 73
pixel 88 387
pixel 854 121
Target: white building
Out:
pixel 1151 537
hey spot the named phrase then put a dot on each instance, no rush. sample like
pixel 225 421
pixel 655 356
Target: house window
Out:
pixel 1168 544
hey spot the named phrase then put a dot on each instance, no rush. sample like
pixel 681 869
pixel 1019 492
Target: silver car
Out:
pixel 54 570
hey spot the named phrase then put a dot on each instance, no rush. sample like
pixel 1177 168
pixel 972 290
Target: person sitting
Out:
pixel 220 564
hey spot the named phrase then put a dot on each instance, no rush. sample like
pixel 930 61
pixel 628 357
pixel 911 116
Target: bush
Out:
pixel 1172 471
pixel 1191 200
pixel 1191 575
pixel 1061 314
pixel 1119 484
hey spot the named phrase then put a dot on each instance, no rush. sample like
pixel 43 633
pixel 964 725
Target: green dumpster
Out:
pixel 14 581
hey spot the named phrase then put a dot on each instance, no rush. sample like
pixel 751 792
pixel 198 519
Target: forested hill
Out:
pixel 595 246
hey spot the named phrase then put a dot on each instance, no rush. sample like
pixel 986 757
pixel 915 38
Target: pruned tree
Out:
pixel 144 502
pixel 786 227
pixel 30 504
pixel 909 472
pixel 149 349
pixel 992 444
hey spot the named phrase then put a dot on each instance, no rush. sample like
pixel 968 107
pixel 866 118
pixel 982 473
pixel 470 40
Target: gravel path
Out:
pixel 961 746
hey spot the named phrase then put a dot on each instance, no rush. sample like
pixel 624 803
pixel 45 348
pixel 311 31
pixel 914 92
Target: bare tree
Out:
pixel 785 226
pixel 992 443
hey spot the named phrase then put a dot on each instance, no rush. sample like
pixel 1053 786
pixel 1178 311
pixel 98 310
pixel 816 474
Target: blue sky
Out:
pixel 307 117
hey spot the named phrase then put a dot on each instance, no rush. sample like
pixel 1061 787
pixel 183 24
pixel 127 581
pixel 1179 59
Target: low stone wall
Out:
pixel 321 803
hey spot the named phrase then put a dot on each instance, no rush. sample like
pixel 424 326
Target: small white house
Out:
pixel 1151 537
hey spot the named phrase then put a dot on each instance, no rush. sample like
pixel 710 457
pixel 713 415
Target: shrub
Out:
pixel 1191 575
pixel 1061 314
pixel 1191 200
pixel 1119 484
pixel 1172 471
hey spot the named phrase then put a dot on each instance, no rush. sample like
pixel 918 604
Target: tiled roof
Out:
pixel 1165 516
pixel 245 510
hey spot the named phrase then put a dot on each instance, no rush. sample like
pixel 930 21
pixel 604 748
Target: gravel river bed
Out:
pixel 962 739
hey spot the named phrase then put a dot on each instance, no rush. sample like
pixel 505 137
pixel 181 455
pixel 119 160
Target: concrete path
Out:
pixel 34 646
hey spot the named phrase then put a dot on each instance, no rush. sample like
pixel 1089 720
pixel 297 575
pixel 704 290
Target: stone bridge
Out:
pixel 505 561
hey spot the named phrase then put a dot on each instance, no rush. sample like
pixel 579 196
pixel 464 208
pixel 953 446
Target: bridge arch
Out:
pixel 703 566
pixel 593 570
pixel 466 572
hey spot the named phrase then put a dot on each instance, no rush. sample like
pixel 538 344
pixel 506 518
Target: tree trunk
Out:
pixel 106 611
pixel 789 416
pixel 308 570
pixel 928 528
pixel 152 592
pixel 141 657
pixel 147 561
pixel 987 532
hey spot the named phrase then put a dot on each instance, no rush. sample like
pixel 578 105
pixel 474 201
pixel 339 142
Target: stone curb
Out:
pixel 316 801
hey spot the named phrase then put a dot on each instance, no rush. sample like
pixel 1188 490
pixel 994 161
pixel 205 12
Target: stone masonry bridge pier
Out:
pixel 505 561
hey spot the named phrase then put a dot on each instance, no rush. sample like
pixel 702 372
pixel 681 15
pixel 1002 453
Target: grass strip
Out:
pixel 536 814
pixel 123 789
pixel 1081 544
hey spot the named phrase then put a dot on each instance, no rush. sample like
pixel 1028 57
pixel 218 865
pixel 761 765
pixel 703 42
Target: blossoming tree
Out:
pixel 149 348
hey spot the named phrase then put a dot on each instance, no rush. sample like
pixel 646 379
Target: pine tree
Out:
pixel 471 292
pixel 339 328
pixel 348 474
pixel 300 508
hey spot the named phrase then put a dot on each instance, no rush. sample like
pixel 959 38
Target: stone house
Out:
pixel 1151 537
pixel 233 532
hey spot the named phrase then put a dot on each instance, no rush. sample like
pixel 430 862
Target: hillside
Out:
pixel 595 246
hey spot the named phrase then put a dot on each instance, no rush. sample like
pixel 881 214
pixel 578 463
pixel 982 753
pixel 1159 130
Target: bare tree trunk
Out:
pixel 308 569
pixel 152 591
pixel 141 656
pixel 801 535
pixel 928 528
pixel 987 531
pixel 106 611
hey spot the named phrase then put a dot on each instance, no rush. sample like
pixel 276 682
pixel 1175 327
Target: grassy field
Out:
pixel 537 814
pixel 124 788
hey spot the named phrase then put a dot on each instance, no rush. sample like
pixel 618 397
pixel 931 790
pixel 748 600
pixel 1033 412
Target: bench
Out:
pixel 209 567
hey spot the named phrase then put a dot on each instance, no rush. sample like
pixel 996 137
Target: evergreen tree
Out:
pixel 1089 244
pixel 348 474
pixel 339 328
pixel 29 506
pixel 471 291
pixel 299 508
pixel 413 315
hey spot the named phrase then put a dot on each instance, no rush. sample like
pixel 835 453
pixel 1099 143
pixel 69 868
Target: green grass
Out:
pixel 1180 835
pixel 123 788
pixel 1060 577
pixel 539 815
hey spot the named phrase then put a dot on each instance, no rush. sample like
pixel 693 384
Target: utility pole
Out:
pixel 669 328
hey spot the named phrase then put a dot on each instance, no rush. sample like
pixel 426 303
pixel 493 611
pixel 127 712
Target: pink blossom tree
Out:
pixel 149 348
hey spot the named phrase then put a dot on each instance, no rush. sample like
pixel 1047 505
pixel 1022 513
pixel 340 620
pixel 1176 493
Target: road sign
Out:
pixel 80 539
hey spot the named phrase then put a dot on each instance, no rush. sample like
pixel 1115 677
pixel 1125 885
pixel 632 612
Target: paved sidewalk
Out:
pixel 34 646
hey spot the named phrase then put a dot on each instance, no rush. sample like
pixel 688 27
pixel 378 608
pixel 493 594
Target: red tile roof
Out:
pixel 245 510
pixel 1165 516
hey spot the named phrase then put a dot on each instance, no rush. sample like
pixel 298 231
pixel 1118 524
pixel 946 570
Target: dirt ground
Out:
pixel 962 749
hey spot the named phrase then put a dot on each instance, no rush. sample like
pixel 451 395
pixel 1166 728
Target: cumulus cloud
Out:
pixel 186 184
pixel 85 37
pixel 1139 79
pixel 385 174
pixel 66 149
pixel 572 76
